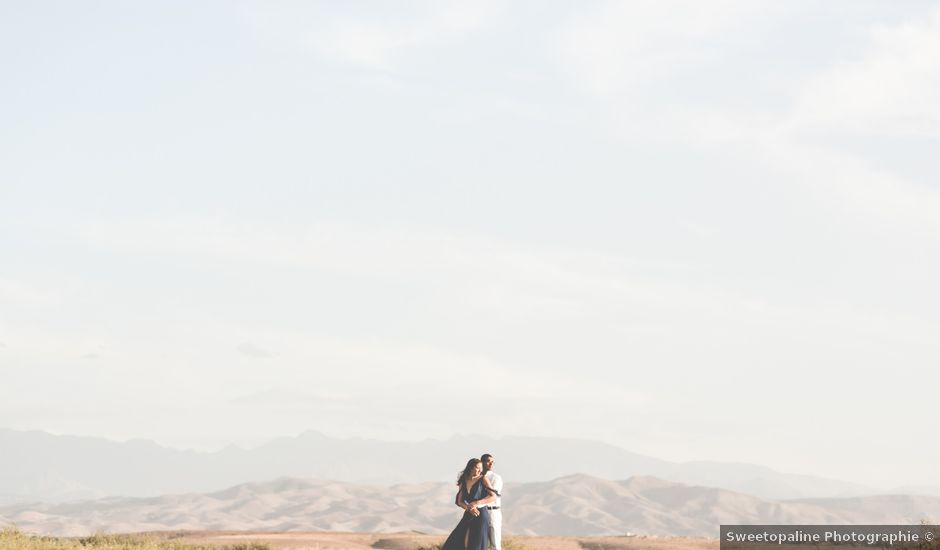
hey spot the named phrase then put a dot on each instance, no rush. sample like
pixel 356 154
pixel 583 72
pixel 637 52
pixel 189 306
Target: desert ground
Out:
pixel 412 541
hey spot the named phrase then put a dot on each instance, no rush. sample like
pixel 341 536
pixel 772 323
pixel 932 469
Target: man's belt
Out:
pixel 492 507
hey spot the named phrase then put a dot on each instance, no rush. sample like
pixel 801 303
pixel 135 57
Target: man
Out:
pixel 496 515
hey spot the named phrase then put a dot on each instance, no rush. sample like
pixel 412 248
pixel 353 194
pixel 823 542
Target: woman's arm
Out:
pixel 488 499
pixel 463 504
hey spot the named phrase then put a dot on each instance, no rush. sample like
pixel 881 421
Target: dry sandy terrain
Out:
pixel 575 505
pixel 410 541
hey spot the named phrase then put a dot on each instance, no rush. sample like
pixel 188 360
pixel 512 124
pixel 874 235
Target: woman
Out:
pixel 473 531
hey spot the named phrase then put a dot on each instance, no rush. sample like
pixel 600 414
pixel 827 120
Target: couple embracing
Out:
pixel 478 495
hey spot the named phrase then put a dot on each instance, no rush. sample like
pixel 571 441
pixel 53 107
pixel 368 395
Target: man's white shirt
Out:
pixel 496 482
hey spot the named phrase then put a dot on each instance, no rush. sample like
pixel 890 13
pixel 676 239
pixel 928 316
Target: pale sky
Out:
pixel 696 230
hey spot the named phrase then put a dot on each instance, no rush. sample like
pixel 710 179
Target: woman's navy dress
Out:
pixel 478 526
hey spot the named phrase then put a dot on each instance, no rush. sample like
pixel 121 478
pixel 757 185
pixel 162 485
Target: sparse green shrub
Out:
pixel 107 540
pixel 397 544
pixel 13 539
pixel 598 545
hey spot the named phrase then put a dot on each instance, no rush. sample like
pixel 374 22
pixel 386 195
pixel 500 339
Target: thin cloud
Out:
pixel 375 39
pixel 892 90
pixel 286 397
pixel 619 46
pixel 251 350
pixel 24 294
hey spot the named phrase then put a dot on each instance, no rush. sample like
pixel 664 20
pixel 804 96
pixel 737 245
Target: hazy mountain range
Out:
pixel 37 466
pixel 574 505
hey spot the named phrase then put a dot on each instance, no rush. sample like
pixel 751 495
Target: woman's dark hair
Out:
pixel 467 472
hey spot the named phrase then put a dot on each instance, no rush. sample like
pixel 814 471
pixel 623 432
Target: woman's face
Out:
pixel 477 470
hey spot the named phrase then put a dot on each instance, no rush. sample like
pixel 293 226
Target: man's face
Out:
pixel 489 463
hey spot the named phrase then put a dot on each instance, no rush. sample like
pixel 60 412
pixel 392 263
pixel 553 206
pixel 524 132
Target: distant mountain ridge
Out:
pixel 37 466
pixel 577 505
